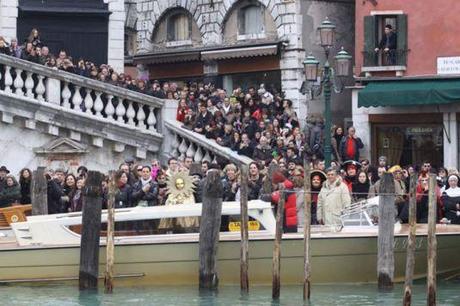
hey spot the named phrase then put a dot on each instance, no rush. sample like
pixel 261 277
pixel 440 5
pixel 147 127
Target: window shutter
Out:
pixel 401 43
pixel 370 34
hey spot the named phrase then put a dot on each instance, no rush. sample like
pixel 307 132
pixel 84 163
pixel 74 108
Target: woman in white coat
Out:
pixel 332 199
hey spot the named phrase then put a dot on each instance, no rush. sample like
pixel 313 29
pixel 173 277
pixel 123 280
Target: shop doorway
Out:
pixel 409 144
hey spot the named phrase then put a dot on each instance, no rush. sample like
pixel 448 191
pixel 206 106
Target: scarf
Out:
pixel 145 182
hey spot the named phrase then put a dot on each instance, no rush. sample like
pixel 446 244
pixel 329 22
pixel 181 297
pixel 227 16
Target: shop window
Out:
pixel 385 40
pixel 251 21
pixel 179 27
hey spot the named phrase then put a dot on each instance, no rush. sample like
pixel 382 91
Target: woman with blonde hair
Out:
pixel 34 38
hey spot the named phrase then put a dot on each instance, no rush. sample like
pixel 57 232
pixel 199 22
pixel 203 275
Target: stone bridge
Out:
pixel 57 119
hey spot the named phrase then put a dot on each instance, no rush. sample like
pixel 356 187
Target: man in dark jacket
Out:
pixel 388 45
pixel 203 120
pixel 55 191
pixel 145 190
pixel 3 172
pixel 350 145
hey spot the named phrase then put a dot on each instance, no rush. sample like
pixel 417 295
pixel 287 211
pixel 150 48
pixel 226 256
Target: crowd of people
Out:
pixel 35 50
pixel 331 189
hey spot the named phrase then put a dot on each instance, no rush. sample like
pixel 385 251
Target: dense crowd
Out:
pixel 35 50
pixel 331 189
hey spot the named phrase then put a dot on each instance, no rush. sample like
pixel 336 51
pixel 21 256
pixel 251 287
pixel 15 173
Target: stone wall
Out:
pixel 19 146
pixel 8 17
pixel 116 56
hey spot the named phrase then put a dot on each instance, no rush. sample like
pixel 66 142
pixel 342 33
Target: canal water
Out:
pixel 322 295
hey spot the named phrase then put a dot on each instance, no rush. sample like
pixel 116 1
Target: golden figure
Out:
pixel 180 187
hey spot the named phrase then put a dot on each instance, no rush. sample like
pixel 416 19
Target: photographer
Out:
pixel 55 190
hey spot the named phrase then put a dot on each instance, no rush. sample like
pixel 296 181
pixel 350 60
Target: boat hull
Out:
pixel 334 259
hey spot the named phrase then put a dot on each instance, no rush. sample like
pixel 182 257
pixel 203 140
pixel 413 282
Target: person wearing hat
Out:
pixel 351 168
pixel 451 200
pixel 332 199
pixel 400 187
pixel 3 172
pixel 317 178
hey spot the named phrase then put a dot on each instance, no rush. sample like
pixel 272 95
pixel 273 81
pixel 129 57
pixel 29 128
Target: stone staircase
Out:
pixel 54 118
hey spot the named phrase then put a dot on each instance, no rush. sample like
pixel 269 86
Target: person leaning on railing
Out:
pixel 388 45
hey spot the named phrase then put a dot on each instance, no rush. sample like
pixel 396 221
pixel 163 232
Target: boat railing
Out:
pixel 54 229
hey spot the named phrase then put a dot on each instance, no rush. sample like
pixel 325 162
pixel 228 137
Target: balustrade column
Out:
pixel 152 120
pixel 8 79
pixel 130 113
pixel 120 111
pixel 66 94
pixel 98 104
pixel 18 83
pixel 29 85
pixel 109 109
pixel 77 99
pixel 140 117
pixel 88 101
pixel 53 91
pixel 40 89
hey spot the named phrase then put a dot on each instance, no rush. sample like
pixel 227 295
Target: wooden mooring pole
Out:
pixel 277 246
pixel 307 231
pixel 91 227
pixel 410 260
pixel 267 186
pixel 385 261
pixel 39 192
pixel 244 278
pixel 110 245
pixel 432 242
pixel 209 230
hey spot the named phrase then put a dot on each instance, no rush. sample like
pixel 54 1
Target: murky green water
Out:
pixel 322 295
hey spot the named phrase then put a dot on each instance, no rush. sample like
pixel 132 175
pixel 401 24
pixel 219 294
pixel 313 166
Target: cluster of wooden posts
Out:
pixel 210 227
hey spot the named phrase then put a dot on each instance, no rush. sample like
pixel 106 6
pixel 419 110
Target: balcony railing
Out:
pixel 101 100
pixel 381 58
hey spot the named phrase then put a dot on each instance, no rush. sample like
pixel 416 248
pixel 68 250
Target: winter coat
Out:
pixel 290 206
pixel 123 196
pixel 422 204
pixel 55 193
pixel 356 142
pixel 140 195
pixel 10 195
pixel 263 153
pixel 25 192
pixel 76 200
pixel 332 200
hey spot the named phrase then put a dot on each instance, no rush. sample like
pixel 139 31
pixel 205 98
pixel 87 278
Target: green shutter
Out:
pixel 370 25
pixel 401 44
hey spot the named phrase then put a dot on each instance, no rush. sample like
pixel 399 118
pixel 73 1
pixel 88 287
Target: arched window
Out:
pixel 179 27
pixel 251 20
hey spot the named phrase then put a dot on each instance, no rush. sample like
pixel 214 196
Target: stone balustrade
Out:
pixel 100 100
pixel 186 143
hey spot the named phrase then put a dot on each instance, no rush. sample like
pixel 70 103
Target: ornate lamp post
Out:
pixel 329 78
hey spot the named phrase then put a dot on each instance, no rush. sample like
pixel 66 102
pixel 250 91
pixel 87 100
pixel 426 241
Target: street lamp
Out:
pixel 329 78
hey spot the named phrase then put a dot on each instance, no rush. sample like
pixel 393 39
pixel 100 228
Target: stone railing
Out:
pixel 186 143
pixel 80 94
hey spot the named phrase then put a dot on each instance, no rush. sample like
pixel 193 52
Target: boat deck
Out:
pixel 8 240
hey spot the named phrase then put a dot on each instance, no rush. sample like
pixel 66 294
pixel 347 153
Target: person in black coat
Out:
pixel 123 194
pixel 245 147
pixel 388 44
pixel 25 180
pixel 55 192
pixel 145 190
pixel 203 120
pixel 4 49
pixel 451 200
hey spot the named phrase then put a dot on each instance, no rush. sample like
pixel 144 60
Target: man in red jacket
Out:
pixel 290 204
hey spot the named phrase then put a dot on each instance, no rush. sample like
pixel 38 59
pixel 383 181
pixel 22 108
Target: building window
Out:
pixel 179 27
pixel 385 40
pixel 251 20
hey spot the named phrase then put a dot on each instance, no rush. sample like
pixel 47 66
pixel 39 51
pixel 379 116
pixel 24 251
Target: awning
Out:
pixel 410 92
pixel 239 52
pixel 166 57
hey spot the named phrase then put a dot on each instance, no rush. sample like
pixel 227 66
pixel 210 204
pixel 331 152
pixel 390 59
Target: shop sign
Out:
pixel 449 65
pixel 419 130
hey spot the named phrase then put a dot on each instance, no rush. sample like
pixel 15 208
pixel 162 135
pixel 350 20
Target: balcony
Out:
pixel 392 61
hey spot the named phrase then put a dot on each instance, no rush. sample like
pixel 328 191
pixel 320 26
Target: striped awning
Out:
pixel 239 52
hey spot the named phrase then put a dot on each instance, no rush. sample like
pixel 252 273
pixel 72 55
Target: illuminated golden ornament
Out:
pixel 180 186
